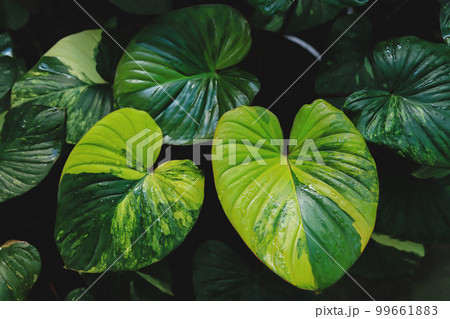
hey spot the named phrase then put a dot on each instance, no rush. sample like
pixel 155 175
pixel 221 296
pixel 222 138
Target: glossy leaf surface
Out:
pixel 7 65
pixel 308 214
pixel 20 266
pixel 180 69
pixel 271 6
pixel 406 109
pixel 31 138
pixel 72 75
pixel 110 202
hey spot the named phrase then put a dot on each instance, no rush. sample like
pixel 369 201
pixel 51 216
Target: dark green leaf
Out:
pixel 180 70
pixel 347 3
pixel 9 69
pixel 163 286
pixel 144 7
pixel 72 75
pixel 406 109
pixel 158 275
pixel 388 257
pixel 75 295
pixel 426 171
pixel 270 7
pixel 414 209
pixel 30 142
pixel 307 14
pixel 13 14
pixel 346 67
pixel 20 266
pixel 311 13
pixel 221 274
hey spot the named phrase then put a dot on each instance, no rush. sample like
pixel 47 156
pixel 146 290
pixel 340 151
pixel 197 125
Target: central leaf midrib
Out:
pixel 316 286
pixel 211 74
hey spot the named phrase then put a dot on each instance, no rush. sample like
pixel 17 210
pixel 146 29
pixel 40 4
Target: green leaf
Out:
pixel 7 65
pixel 31 138
pixel 406 109
pixel 163 284
pixel 180 70
pixel 110 203
pixel 294 211
pixel 13 14
pixel 143 7
pixel 221 274
pixel 388 257
pixel 307 14
pixel 71 75
pixel 20 266
pixel 346 67
pixel 159 276
pixel 10 70
pixel 445 23
pixel 75 295
pixel 347 3
pixel 414 209
pixel 269 7
pixel 312 13
pixel 431 172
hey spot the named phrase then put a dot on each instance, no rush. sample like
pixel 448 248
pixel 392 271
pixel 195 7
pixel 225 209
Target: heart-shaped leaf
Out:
pixel 72 75
pixel 144 7
pixel 110 206
pixel 179 70
pixel 31 138
pixel 308 214
pixel 20 266
pixel 346 68
pixel 445 23
pixel 388 257
pixel 221 274
pixel 406 108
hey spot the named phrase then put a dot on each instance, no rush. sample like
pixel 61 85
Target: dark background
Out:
pixel 275 61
